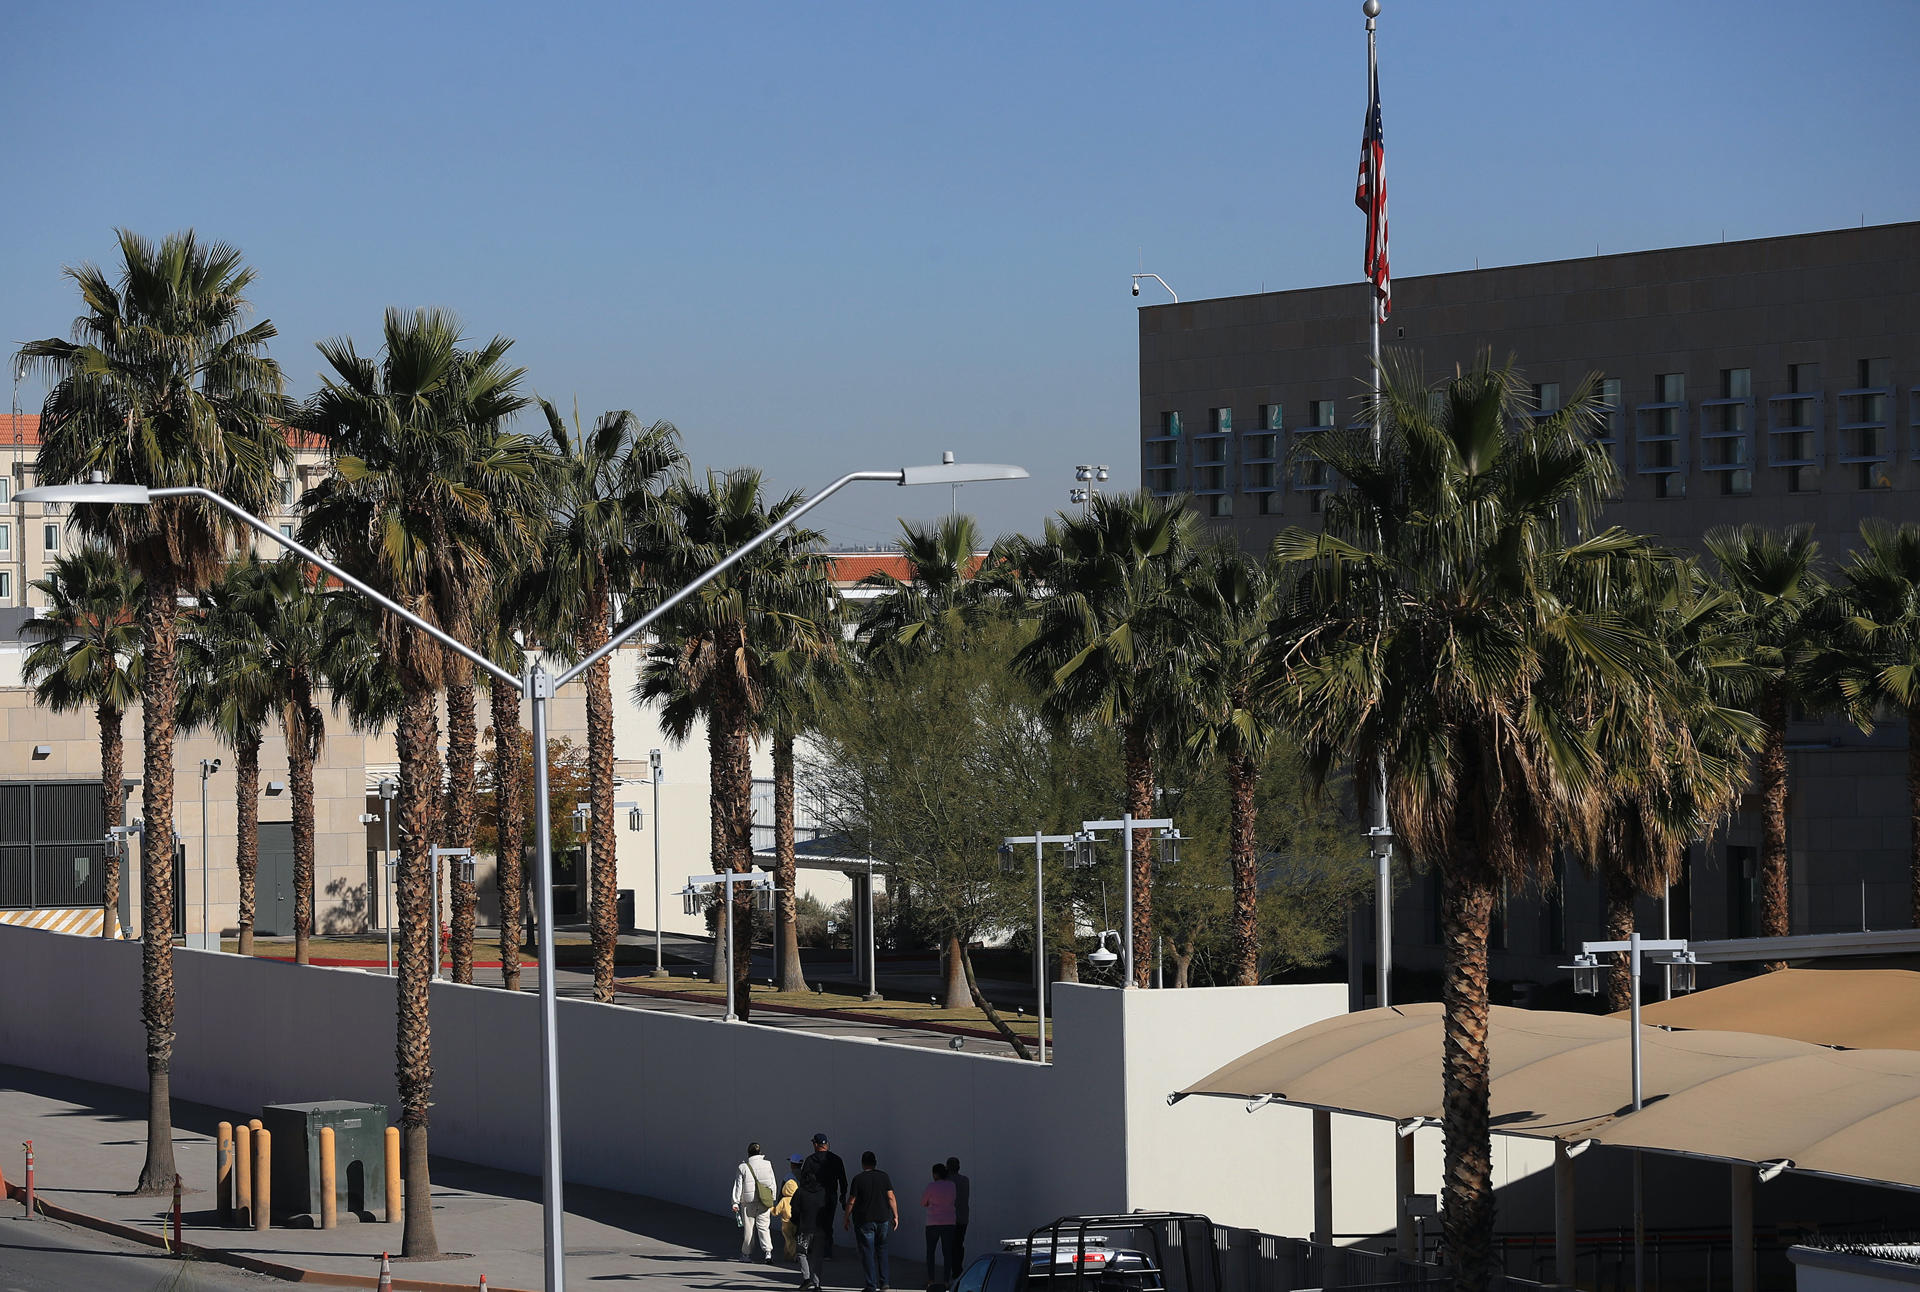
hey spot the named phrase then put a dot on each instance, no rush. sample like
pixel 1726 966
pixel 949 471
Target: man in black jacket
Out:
pixel 831 1172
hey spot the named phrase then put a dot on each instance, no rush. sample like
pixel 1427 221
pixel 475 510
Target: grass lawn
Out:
pixel 881 1011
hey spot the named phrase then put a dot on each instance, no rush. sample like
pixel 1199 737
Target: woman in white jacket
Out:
pixel 754 1191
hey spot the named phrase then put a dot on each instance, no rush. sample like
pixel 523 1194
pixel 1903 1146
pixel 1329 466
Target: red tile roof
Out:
pixel 851 567
pixel 27 427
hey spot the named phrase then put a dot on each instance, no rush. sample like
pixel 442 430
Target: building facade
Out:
pixel 1773 382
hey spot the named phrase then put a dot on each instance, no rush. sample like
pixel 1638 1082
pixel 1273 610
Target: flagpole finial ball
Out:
pixel 1371 8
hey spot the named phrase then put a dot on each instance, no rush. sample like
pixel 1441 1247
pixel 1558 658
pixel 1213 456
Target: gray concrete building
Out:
pixel 1774 382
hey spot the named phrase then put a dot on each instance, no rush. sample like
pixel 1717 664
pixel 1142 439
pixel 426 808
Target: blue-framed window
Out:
pixel 1726 434
pixel 1796 429
pixel 1863 433
pixel 1660 436
pixel 1160 457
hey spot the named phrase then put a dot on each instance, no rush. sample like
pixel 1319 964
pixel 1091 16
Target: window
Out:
pixel 1219 504
pixel 1320 412
pixel 1864 432
pixel 1211 465
pixel 1795 420
pixel 1726 434
pixel 1221 420
pixel 1260 456
pixel 1311 476
pixel 1170 424
pixel 284 490
pixel 51 536
pixel 1161 457
pixel 6 490
pixel 1546 398
pixel 1661 446
pixel 286 531
pixel 1272 417
pixel 6 537
pixel 6 585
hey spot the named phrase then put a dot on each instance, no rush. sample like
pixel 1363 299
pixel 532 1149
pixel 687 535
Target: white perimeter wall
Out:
pixel 663 1105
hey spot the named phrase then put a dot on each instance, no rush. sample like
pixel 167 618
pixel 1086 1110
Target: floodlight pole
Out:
pixel 208 766
pixel 538 686
pixel 389 790
pixel 659 945
pixel 1040 839
pixel 727 880
pixel 1127 825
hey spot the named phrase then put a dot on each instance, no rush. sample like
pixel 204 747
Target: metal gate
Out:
pixel 273 882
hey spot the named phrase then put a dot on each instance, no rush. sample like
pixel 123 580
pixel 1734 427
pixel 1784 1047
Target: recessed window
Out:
pixel 1795 425
pixel 1170 423
pixel 6 585
pixel 6 490
pixel 1320 412
pixel 1220 504
pixel 1726 434
pixel 1660 450
pixel 1273 417
pixel 1221 419
pixel 50 534
pixel 1865 430
pixel 6 537
pixel 1546 397
pixel 286 531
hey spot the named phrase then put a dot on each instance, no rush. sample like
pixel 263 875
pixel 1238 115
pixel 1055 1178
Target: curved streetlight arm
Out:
pixel 308 554
pixel 1158 279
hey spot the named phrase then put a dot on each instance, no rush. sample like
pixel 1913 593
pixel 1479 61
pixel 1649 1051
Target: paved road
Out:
pixel 46 1256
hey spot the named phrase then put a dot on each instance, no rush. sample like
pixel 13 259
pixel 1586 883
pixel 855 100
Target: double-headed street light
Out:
pixel 1128 825
pixel 1039 839
pixel 538 686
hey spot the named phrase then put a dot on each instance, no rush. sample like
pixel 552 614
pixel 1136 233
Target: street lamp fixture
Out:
pixel 1586 974
pixel 1103 955
pixel 1128 825
pixel 539 687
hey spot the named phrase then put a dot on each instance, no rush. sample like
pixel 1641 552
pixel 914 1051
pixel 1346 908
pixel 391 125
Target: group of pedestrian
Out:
pixel 817 1192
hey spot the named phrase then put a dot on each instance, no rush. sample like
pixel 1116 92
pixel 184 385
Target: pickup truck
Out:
pixel 1138 1252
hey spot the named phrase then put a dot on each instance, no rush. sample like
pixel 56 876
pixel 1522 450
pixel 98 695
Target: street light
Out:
pixel 208 941
pixel 1039 839
pixel 389 790
pixel 538 686
pixel 763 892
pixel 659 945
pixel 1127 825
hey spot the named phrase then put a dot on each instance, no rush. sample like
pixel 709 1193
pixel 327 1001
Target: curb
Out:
pixel 240 1260
pixel 842 1015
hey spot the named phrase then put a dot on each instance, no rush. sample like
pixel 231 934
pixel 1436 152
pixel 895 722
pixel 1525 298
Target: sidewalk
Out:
pixel 89 1142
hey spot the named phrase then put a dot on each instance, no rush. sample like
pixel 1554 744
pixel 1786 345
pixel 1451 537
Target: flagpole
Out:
pixel 1382 849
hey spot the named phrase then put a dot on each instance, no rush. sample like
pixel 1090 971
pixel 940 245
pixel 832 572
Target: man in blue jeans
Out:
pixel 872 1213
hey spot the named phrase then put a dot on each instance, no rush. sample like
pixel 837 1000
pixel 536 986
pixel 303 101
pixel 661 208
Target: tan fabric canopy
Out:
pixel 1735 1096
pixel 1862 1009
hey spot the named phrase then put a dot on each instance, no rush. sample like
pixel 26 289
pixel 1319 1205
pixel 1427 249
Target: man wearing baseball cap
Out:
pixel 831 1172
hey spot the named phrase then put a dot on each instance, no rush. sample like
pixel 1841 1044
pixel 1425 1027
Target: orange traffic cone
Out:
pixel 386 1275
pixel 483 1283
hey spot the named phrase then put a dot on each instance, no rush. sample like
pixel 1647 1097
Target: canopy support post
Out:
pixel 1742 1227
pixel 1403 1187
pixel 1565 1230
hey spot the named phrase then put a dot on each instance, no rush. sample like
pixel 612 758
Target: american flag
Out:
pixel 1370 195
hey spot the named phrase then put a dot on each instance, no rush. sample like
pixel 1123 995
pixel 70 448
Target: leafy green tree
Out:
pixel 1113 624
pixel 425 490
pixel 1417 627
pixel 86 655
pixel 1776 586
pixel 713 650
pixel 163 385
pixel 609 527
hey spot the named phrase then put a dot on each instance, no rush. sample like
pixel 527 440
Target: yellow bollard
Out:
pixel 223 1171
pixel 263 1179
pixel 243 1175
pixel 329 1209
pixel 394 1211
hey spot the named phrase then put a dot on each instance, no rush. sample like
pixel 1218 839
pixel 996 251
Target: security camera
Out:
pixel 1136 287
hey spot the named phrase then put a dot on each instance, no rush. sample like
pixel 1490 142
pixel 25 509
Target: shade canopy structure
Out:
pixel 1730 1096
pixel 1859 1008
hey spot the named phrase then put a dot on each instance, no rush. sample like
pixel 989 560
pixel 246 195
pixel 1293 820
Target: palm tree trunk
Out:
pixel 1466 922
pixel 463 745
pixel 1139 767
pixel 1069 964
pixel 509 825
pixel 1183 966
pixel 1775 918
pixel 246 847
pixel 159 696
pixel 719 836
pixel 1620 899
pixel 958 994
pixel 604 922
pixel 787 935
pixel 297 725
pixel 112 810
pixel 1242 776
pixel 417 736
pixel 740 853
pixel 986 1006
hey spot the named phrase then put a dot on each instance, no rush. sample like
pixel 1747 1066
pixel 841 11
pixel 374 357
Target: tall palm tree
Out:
pixel 1232 720
pixel 162 385
pixel 424 489
pixel 711 657
pixel 506 614
pixel 1876 647
pixel 1773 578
pixel 609 526
pixel 939 596
pixel 1418 627
pixel 291 613
pixel 228 687
pixel 1112 626
pixel 87 656
pixel 1674 772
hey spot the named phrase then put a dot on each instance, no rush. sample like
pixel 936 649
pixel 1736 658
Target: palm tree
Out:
pixel 227 686
pixel 291 613
pixel 1777 589
pixel 939 596
pixel 162 385
pixel 608 527
pixel 711 657
pixel 1417 627
pixel 506 613
pixel 1877 649
pixel 1112 626
pixel 1232 719
pixel 424 490
pixel 1673 773
pixel 87 656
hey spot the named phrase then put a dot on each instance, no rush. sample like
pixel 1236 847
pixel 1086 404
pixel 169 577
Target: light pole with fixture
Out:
pixel 120 840
pixel 1158 279
pixel 389 790
pixel 1039 840
pixel 538 686
pixel 209 941
pixel 1683 966
pixel 1090 478
pixel 659 945
pixel 1128 825
pixel 763 894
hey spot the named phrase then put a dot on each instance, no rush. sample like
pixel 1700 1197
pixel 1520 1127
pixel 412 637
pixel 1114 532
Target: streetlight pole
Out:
pixel 659 944
pixel 538 686
pixel 389 790
pixel 1039 839
pixel 1127 825
pixel 208 766
pixel 763 890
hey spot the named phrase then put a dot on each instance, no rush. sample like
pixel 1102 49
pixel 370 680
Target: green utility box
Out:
pixel 359 1158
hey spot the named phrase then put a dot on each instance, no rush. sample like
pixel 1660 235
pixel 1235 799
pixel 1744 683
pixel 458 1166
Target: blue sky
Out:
pixel 829 236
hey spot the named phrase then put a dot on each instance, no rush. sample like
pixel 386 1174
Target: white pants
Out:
pixel 755 1221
